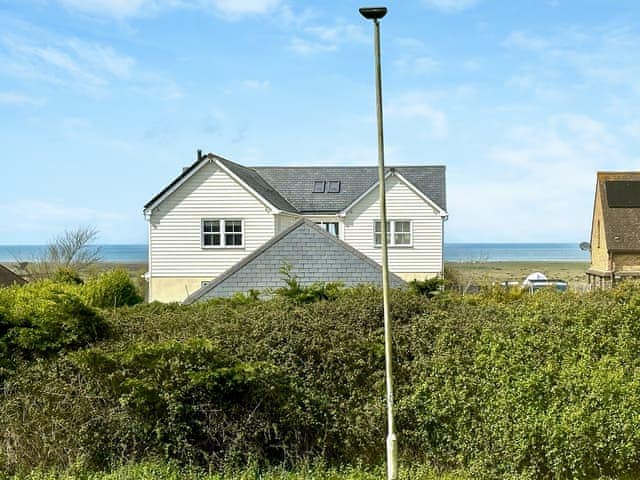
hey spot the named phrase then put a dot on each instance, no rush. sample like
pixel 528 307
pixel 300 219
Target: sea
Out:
pixel 453 252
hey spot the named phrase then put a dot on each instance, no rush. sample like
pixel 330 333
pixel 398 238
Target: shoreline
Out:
pixel 478 272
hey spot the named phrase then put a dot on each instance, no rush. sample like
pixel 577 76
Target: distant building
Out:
pixel 207 222
pixel 8 278
pixel 615 229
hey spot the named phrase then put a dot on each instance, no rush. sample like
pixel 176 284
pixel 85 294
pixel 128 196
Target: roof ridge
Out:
pixel 344 166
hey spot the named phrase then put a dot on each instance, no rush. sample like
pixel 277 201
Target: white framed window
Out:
pixel 222 233
pixel 399 233
pixel 331 227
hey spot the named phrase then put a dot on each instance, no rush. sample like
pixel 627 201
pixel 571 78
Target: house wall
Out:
pixel 599 254
pixel 179 263
pixel 424 257
pixel 626 262
pixel 284 221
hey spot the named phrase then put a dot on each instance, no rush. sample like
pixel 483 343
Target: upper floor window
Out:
pixel 318 187
pixel 222 233
pixel 334 186
pixel 399 233
pixel 331 227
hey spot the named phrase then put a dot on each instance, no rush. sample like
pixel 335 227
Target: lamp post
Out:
pixel 375 14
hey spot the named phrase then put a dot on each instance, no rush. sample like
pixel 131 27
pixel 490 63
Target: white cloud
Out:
pixel 451 6
pixel 417 107
pixel 257 84
pixel 327 38
pixel 118 8
pixel 63 61
pixel 419 65
pixel 308 47
pixel 19 99
pixel 537 183
pixel 633 130
pixel 122 9
pixel 88 67
pixel 526 41
pixel 245 7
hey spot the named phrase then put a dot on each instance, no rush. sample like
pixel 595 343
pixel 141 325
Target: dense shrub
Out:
pixel 42 318
pixel 67 275
pixel 543 386
pixel 503 385
pixel 299 293
pixel 428 286
pixel 111 289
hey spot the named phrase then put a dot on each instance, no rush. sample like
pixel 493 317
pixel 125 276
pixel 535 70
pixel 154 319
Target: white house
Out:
pixel 217 212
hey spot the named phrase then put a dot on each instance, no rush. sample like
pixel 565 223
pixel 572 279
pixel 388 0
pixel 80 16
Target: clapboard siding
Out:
pixel 175 224
pixel 402 204
pixel 284 221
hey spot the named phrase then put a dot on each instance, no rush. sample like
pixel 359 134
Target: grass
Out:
pixel 168 471
pixel 484 273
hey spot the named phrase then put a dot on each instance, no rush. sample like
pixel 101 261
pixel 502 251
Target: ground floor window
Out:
pixel 222 233
pixel 399 233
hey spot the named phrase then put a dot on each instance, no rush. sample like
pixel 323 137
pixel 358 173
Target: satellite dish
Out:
pixel 585 246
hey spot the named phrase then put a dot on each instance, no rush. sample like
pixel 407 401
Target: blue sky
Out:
pixel 102 102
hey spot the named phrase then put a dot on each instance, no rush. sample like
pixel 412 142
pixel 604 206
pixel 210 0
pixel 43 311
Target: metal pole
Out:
pixel 392 446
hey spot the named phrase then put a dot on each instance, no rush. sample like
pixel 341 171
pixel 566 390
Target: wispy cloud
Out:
pixel 326 38
pixel 257 84
pixel 124 9
pixel 33 54
pixel 417 107
pixel 58 61
pixel 19 99
pixel 244 7
pixel 450 6
pixel 542 172
pixel 419 65
pixel 597 55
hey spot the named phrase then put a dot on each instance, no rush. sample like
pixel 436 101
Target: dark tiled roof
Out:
pixel 291 188
pixel 7 277
pixel 296 184
pixel 621 225
pixel 314 255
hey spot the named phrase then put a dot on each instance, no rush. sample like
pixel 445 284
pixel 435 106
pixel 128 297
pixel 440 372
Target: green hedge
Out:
pixel 499 385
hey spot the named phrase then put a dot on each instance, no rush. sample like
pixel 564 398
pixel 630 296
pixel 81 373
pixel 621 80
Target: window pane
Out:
pixel 210 226
pixel 402 238
pixel 233 239
pixel 404 227
pixel 334 187
pixel 211 239
pixel 332 228
pixel 402 234
pixel 233 226
pixel 318 187
pixel 377 236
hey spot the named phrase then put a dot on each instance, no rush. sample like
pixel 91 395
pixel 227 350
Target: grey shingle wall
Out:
pixel 313 256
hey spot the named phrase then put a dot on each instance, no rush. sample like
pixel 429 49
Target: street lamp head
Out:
pixel 373 13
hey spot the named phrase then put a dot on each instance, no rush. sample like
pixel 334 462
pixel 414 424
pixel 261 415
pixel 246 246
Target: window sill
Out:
pixel 394 246
pixel 222 247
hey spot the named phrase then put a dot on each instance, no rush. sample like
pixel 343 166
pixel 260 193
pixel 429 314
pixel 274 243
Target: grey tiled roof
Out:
pixel 296 184
pixel 314 256
pixel 291 188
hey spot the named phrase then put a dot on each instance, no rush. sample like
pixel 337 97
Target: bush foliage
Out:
pixel 497 384
pixel 40 319
pixel 111 289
